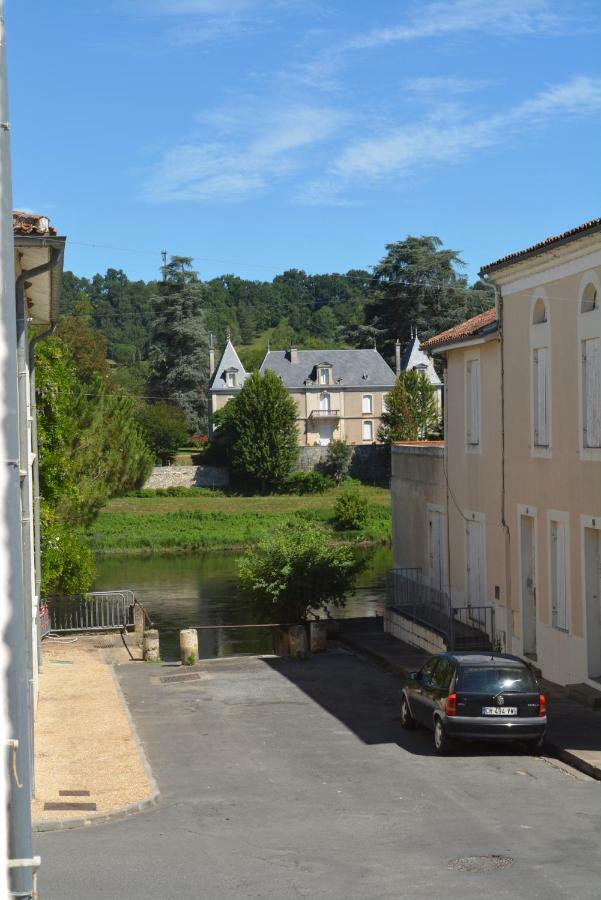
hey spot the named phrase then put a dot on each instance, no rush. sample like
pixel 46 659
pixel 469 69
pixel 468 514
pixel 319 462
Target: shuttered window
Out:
pixel 559 575
pixel 473 402
pixel 591 392
pixel 367 403
pixel 540 373
pixel 368 431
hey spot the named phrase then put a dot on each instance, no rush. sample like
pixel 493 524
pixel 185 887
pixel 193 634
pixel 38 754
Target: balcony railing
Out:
pixel 325 414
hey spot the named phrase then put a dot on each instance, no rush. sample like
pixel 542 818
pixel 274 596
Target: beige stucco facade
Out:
pixel 523 501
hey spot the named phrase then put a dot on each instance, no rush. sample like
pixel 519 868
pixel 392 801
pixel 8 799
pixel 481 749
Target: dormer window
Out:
pixel 231 377
pixel 323 375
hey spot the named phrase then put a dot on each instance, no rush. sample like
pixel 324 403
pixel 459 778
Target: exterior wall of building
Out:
pixel 557 483
pixel 417 485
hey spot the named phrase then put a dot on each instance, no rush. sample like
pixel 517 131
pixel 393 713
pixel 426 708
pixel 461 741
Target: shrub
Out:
pixel 338 460
pixel 294 572
pixel 306 483
pixel 350 511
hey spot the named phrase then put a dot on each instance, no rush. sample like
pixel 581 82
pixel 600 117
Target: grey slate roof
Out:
pixel 413 357
pixel 350 368
pixel 229 360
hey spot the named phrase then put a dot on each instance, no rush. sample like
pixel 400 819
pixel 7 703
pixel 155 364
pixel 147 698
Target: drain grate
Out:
pixel 490 863
pixel 171 679
pixel 84 807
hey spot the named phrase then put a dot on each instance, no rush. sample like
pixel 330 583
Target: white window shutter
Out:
pixel 475 397
pixel 559 573
pixel 541 397
pixel 468 402
pixel 591 390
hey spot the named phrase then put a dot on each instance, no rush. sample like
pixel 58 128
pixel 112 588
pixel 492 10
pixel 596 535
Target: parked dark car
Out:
pixel 475 696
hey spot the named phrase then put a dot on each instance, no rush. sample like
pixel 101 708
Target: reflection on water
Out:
pixel 185 591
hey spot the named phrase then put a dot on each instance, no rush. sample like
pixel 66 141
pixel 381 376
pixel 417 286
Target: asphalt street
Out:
pixel 284 779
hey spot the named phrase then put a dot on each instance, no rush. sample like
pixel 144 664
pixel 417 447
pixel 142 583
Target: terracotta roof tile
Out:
pixel 464 330
pixel 543 245
pixel 30 223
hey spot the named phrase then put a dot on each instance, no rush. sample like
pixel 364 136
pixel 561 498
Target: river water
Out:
pixel 186 591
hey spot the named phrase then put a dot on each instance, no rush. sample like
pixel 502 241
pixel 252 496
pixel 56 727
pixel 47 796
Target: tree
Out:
pixel 180 342
pixel 411 409
pixel 350 510
pixel 166 429
pixel 338 460
pixel 261 423
pixel 294 572
pixel 417 284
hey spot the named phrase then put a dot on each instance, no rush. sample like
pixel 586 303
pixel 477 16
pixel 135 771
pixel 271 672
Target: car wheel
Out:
pixel 407 720
pixel 535 746
pixel 442 742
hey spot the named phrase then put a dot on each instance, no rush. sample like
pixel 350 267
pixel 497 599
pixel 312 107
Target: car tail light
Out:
pixel 542 705
pixel 451 705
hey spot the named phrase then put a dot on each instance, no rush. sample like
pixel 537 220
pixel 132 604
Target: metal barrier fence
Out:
pixel 469 627
pixel 95 611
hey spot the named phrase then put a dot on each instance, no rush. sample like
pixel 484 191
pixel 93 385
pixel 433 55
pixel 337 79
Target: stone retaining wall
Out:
pixel 188 476
pixel 369 463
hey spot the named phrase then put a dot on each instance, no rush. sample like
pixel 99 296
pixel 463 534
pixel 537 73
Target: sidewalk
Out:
pixel 87 755
pixel 574 730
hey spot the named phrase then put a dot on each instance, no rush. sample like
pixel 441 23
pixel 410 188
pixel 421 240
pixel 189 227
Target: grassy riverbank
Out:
pixel 217 521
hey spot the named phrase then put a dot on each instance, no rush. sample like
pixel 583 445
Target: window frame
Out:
pixel 323 372
pixel 471 403
pixel 540 339
pixel 558 522
pixel 589 328
pixel 364 424
pixel 370 411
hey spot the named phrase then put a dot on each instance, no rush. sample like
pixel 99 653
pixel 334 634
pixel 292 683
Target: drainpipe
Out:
pixel 25 454
pixel 37 528
pixel 13 672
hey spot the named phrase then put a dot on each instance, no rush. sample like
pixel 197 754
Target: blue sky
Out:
pixel 258 135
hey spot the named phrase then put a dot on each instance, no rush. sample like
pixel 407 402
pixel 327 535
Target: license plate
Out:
pixel 499 710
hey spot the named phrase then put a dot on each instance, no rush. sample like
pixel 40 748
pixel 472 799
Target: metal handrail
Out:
pixel 93 611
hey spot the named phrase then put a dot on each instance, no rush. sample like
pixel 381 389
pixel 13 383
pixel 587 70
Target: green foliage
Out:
pixel 166 429
pixel 260 424
pixel 67 561
pixel 338 460
pixel 191 659
pixel 91 448
pixel 306 483
pixel 417 284
pixel 411 409
pixel 294 572
pixel 180 342
pixel 350 511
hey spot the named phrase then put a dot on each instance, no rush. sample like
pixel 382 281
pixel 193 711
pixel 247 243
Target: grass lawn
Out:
pixel 217 521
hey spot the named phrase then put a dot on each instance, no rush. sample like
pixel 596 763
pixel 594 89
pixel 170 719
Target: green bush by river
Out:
pixel 218 521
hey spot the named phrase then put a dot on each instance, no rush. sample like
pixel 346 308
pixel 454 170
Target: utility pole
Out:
pixel 14 677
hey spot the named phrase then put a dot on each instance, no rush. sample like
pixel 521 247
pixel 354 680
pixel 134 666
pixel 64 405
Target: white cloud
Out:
pixel 444 141
pixel 435 86
pixel 449 17
pixel 254 150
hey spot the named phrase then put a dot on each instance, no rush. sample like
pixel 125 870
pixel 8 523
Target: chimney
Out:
pixel 397 350
pixel 293 356
pixel 211 356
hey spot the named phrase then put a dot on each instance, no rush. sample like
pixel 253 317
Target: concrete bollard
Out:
pixel 151 651
pixel 319 636
pixel 188 646
pixel 333 628
pixel 297 636
pixel 139 621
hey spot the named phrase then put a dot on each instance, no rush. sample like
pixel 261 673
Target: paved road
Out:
pixel 285 779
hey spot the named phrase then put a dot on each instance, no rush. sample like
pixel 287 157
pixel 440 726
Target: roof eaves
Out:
pixel 588 228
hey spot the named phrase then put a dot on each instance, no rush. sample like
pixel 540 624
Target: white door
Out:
pixel 326 431
pixel 592 574
pixel 476 567
pixel 437 549
pixel 528 585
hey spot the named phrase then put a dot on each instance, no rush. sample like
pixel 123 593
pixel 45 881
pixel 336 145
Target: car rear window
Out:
pixel 492 679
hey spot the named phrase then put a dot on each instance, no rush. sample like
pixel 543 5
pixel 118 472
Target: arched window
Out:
pixel 540 376
pixel 367 404
pixel 589 300
pixel 539 314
